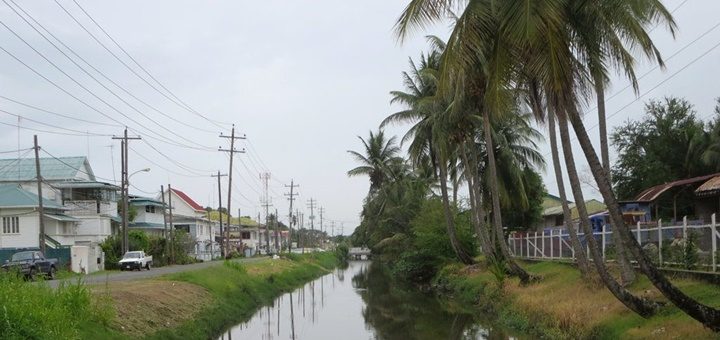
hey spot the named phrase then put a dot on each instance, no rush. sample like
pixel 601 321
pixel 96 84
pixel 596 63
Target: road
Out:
pixel 117 276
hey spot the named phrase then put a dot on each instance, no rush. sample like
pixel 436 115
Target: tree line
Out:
pixel 471 101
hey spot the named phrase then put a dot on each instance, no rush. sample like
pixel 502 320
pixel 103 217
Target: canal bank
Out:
pixel 564 306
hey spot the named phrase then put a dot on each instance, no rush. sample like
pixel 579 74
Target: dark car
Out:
pixel 32 263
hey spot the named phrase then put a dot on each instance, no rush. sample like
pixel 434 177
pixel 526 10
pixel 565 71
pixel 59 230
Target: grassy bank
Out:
pixel 196 304
pixel 237 291
pixel 562 305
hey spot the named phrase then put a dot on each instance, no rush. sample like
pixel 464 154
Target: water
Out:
pixel 358 302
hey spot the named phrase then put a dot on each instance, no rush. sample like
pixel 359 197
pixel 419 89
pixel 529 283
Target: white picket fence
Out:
pixel 554 244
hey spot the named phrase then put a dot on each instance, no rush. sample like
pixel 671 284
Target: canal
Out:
pixel 358 302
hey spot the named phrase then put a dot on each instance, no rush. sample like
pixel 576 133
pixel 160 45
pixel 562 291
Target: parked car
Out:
pixel 32 263
pixel 135 260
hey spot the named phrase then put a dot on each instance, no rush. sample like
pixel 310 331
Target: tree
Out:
pixel 380 154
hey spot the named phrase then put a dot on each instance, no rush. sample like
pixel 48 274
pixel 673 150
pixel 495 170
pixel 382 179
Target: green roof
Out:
pixel 146 225
pixel 142 201
pixel 62 168
pixel 12 195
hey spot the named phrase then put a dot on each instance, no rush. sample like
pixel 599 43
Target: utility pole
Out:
pixel 232 152
pixel 277 234
pixel 165 227
pixel 125 187
pixel 265 177
pixel 222 245
pixel 172 228
pixel 291 198
pixel 311 205
pixel 40 197
pixel 322 229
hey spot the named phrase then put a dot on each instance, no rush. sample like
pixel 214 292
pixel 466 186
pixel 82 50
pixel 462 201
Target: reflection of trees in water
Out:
pixel 397 313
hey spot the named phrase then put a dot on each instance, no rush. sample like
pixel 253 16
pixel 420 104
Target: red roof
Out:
pixel 183 196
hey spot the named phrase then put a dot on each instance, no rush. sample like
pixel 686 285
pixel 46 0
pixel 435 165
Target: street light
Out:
pixel 141 170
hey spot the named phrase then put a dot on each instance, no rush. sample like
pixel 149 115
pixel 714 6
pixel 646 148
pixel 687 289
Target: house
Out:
pixel 149 216
pixel 696 197
pixel 553 215
pixel 70 183
pixel 191 217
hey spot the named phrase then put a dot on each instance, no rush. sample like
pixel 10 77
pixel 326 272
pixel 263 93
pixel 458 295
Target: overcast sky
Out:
pixel 301 79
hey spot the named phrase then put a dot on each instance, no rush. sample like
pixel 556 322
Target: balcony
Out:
pixel 90 208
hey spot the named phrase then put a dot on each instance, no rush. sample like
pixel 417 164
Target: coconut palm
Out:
pixel 521 38
pixel 380 154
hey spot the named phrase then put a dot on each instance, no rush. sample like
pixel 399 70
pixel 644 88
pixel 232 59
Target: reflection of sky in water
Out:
pixel 358 303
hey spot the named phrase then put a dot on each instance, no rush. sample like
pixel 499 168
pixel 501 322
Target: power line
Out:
pixel 92 77
pixel 184 105
pixel 74 168
pixel 58 114
pixel 55 126
pixel 89 64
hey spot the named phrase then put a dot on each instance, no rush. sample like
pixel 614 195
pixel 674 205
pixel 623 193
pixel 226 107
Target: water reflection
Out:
pixel 366 307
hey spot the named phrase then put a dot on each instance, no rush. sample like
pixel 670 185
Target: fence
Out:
pixel 555 244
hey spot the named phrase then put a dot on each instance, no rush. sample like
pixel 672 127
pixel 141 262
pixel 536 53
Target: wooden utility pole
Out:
pixel 265 177
pixel 125 186
pixel 232 152
pixel 41 210
pixel 322 229
pixel 311 205
pixel 172 227
pixel 222 235
pixel 277 234
pixel 165 227
pixel 291 198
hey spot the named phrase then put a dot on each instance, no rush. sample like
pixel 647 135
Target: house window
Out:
pixel 245 235
pixel 150 209
pixel 11 225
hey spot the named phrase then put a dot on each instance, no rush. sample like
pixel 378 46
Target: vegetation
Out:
pixel 469 100
pixel 238 290
pixel 158 247
pixel 36 311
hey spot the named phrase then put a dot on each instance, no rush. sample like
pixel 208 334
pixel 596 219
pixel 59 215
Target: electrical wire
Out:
pixel 59 114
pixel 90 65
pixel 55 126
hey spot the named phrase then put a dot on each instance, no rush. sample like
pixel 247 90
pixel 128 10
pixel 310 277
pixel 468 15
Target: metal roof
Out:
pixel 183 196
pixel 711 187
pixel 652 193
pixel 85 185
pixel 146 201
pixel 12 195
pixel 146 225
pixel 593 207
pixel 62 218
pixel 62 168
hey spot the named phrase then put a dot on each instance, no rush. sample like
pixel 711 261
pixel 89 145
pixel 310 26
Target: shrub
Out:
pixel 342 252
pixel 418 266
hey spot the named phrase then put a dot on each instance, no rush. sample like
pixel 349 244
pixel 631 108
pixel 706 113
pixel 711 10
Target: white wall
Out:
pixel 93 228
pixel 143 216
pixel 29 229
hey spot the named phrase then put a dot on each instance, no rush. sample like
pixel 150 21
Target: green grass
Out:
pixel 36 311
pixel 562 305
pixel 240 289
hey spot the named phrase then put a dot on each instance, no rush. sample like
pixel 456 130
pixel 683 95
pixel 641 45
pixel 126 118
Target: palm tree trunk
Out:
pixel 640 306
pixel 580 256
pixel 514 268
pixel 708 316
pixel 478 216
pixel 627 273
pixel 462 255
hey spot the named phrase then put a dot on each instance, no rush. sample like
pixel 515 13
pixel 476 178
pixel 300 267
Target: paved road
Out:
pixel 114 276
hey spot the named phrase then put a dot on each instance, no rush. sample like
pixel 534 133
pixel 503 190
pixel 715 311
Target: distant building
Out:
pixel 149 217
pixel 191 217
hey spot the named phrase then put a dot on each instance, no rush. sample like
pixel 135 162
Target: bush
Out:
pixel 418 266
pixel 684 252
pixel 342 252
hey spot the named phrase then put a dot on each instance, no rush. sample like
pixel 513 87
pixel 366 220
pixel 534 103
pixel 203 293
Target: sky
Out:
pixel 299 79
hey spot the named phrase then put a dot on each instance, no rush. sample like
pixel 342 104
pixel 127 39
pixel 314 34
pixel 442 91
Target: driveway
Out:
pixel 118 276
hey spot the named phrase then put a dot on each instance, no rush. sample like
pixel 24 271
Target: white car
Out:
pixel 135 260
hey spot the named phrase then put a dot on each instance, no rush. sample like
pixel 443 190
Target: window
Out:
pixel 245 235
pixel 11 225
pixel 150 209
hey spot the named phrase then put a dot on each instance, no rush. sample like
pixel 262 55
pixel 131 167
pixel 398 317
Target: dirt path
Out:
pixel 145 274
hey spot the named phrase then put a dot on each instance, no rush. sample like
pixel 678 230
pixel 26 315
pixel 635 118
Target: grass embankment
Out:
pixel 235 291
pixel 562 305
pixel 189 305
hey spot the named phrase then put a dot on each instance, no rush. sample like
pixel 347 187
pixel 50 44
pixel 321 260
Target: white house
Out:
pixel 192 218
pixel 71 184
pixel 149 216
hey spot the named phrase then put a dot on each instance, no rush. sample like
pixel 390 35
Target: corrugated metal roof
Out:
pixel 652 193
pixel 62 218
pixel 711 187
pixel 86 185
pixel 183 196
pixel 12 195
pixel 593 207
pixel 62 168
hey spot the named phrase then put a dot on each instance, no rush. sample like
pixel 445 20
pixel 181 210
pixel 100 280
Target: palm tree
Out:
pixel 377 162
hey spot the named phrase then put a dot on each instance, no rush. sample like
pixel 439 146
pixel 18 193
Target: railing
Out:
pixel 90 208
pixel 554 244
